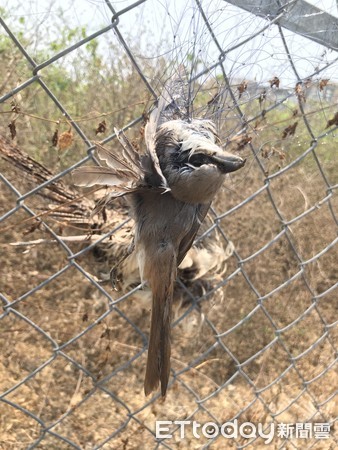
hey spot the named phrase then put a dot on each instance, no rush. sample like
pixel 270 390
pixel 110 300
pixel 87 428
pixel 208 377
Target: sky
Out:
pixel 174 28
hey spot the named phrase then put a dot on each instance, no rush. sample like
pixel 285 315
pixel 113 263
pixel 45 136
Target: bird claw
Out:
pixel 115 278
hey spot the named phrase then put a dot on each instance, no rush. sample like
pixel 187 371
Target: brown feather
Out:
pixel 161 274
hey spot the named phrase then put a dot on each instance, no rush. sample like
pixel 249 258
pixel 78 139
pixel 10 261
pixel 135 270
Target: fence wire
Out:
pixel 254 341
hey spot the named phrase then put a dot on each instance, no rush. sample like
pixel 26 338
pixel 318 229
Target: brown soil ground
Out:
pixel 91 389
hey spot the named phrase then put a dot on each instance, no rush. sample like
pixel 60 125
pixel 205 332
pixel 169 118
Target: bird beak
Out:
pixel 228 163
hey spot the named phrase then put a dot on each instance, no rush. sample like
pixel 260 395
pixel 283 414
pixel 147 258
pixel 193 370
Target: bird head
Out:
pixel 192 160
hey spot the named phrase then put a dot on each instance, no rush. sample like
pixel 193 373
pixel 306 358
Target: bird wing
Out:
pixel 172 104
pixel 150 140
pixel 123 170
pixel 189 238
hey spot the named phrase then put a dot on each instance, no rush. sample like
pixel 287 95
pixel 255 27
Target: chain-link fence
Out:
pixel 254 331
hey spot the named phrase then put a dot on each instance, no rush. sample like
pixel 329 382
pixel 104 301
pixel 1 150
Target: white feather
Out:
pixel 90 176
pixel 130 155
pixel 150 138
pixel 107 156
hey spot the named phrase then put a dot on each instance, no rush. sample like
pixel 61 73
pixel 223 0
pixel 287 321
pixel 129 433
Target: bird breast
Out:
pixel 199 185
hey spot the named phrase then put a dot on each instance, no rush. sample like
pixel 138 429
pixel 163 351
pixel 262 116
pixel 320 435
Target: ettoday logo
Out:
pixel 246 430
pixel 211 430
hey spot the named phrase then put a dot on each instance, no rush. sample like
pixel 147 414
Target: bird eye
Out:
pixel 198 159
pixel 182 155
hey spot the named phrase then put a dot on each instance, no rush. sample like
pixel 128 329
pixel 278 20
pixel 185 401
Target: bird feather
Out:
pixel 90 175
pixel 150 139
pixel 130 154
pixel 117 161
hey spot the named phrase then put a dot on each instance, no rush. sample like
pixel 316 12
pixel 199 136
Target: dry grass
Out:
pixel 106 394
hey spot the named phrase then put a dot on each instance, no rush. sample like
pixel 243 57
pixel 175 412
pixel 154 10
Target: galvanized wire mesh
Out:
pixel 258 345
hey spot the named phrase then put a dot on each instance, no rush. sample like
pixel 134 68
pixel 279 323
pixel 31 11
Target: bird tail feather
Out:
pixel 161 279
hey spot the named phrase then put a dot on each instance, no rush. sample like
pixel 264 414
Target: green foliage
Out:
pixel 97 81
pixel 3 13
pixel 5 43
pixel 94 82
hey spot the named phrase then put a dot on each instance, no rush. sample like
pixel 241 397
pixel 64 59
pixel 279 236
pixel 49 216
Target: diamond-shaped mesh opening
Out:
pixel 294 408
pixel 249 236
pixel 107 347
pixel 320 269
pixel 17 427
pixel 250 336
pixel 211 369
pixel 326 305
pixel 50 441
pixel 235 402
pixel 69 300
pixel 315 362
pixel 128 378
pixel 70 387
pixel 268 366
pixel 27 350
pixel 296 195
pixel 285 265
pixel 324 387
pixel 290 302
pixel 320 221
pixel 295 337
pixel 280 391
pixel 231 309
pixel 105 417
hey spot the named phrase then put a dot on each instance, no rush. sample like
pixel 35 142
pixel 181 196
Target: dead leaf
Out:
pixel 104 214
pixel 299 92
pixel 242 88
pixel 257 124
pixel 12 129
pixel 136 145
pixel 290 130
pixel 265 153
pixel 65 139
pixel 15 107
pixel 55 138
pixel 101 128
pixel 308 82
pixel 333 121
pixel 145 117
pixel 32 228
pixel 246 139
pixel 274 82
pixel 323 83
pixel 262 97
pixel 214 99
